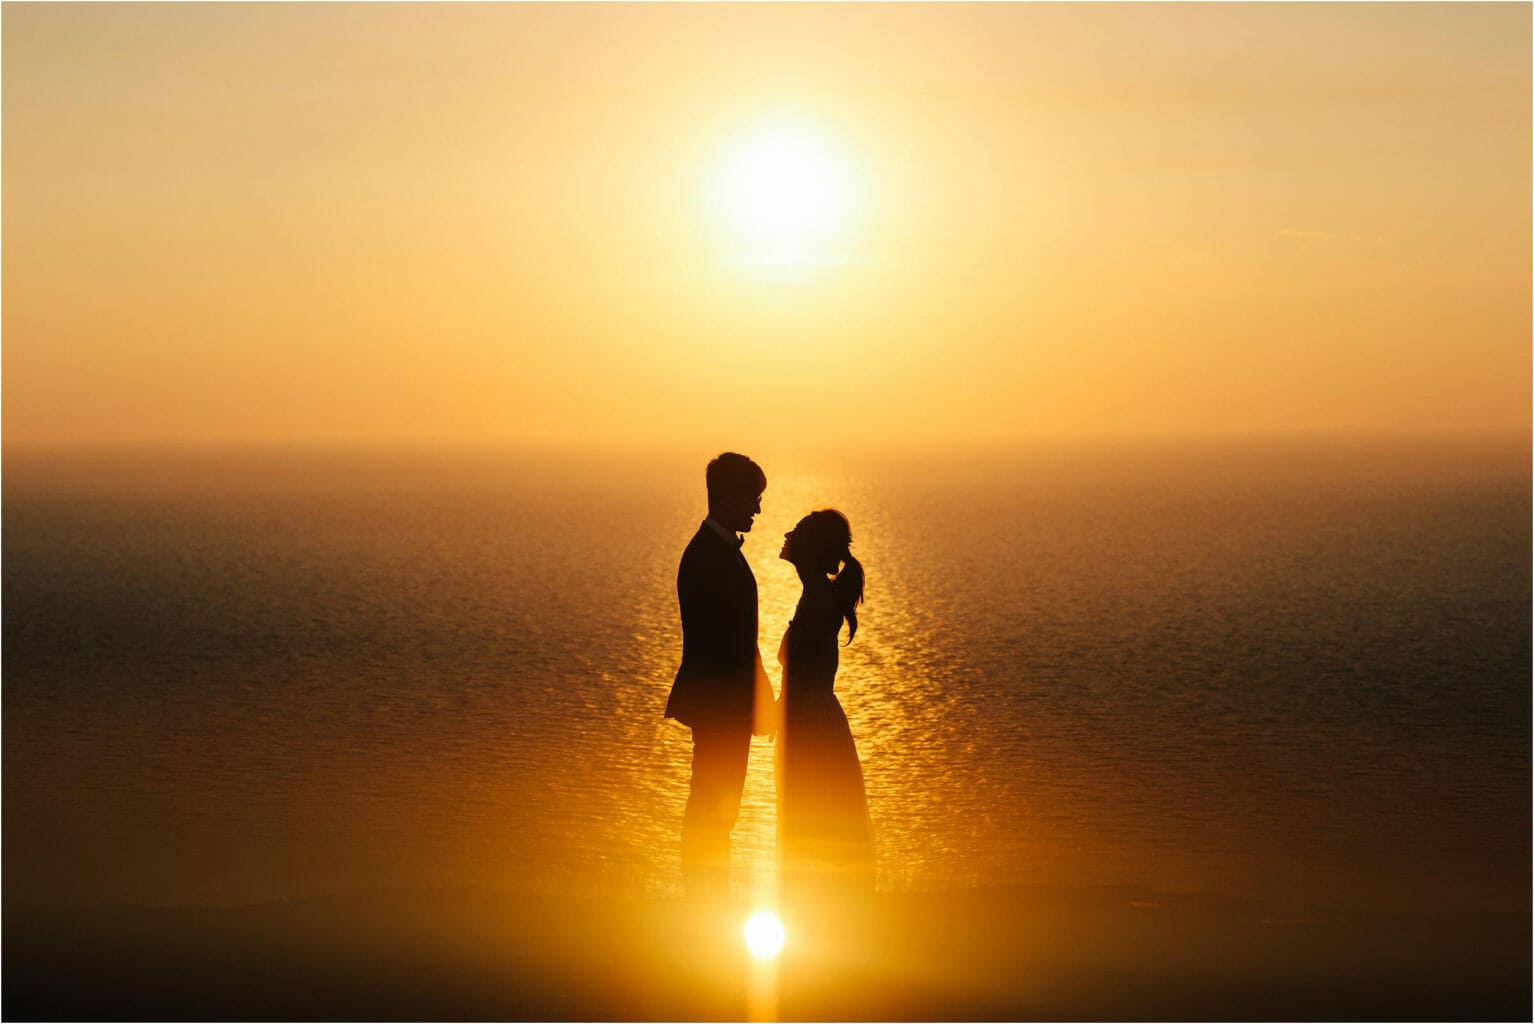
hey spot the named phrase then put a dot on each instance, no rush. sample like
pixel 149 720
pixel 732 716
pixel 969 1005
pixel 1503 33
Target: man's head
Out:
pixel 735 486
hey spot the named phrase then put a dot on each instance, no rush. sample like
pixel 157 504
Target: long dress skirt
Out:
pixel 825 838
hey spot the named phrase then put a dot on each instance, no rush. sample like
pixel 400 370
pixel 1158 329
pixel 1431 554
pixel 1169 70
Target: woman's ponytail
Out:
pixel 848 588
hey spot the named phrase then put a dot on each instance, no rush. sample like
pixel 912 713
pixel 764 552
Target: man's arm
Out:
pixel 702 595
pixel 765 708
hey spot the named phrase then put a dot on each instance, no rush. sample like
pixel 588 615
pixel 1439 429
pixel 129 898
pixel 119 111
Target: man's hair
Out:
pixel 733 475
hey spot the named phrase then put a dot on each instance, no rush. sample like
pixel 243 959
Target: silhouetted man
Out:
pixel 721 690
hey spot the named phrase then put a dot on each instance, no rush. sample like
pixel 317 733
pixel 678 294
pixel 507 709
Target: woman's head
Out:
pixel 820 543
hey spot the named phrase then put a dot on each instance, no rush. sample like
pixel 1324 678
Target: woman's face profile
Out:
pixel 787 554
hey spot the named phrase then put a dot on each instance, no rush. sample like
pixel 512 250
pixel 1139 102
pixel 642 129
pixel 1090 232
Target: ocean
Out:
pixel 1272 668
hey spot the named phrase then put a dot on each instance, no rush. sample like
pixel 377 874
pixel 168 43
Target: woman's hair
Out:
pixel 826 537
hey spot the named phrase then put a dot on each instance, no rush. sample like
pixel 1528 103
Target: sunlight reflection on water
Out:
pixel 229 680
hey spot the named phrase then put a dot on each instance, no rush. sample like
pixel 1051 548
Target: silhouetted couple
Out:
pixel 825 841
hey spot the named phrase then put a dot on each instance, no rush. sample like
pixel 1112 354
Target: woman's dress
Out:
pixel 825 839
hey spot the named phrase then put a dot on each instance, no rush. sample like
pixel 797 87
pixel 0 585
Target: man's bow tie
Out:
pixel 740 541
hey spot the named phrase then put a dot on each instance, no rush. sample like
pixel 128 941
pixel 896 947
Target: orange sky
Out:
pixel 488 222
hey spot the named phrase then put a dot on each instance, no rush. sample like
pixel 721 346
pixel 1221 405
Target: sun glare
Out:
pixel 764 934
pixel 785 194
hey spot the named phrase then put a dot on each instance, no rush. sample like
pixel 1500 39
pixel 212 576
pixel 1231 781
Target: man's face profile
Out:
pixel 737 511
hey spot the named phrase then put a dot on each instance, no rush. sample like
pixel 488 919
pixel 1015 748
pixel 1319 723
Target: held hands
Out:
pixel 766 709
pixel 777 720
pixel 769 717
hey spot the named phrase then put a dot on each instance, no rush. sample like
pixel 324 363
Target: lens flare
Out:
pixel 764 934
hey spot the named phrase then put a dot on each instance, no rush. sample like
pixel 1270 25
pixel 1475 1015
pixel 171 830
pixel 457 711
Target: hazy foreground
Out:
pixel 980 954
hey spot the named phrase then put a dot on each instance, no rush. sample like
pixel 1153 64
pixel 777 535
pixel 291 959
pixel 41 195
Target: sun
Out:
pixel 764 934
pixel 784 193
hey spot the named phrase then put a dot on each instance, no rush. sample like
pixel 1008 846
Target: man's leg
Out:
pixel 719 756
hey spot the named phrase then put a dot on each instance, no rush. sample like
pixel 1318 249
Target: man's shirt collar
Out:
pixel 728 534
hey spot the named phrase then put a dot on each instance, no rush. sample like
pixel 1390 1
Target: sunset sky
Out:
pixel 763 223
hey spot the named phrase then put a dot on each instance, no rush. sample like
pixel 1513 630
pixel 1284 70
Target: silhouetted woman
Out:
pixel 825 840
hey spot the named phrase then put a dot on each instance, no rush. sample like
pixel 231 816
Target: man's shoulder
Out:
pixel 702 539
pixel 705 545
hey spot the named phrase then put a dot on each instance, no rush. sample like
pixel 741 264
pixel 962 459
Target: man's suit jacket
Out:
pixel 721 682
